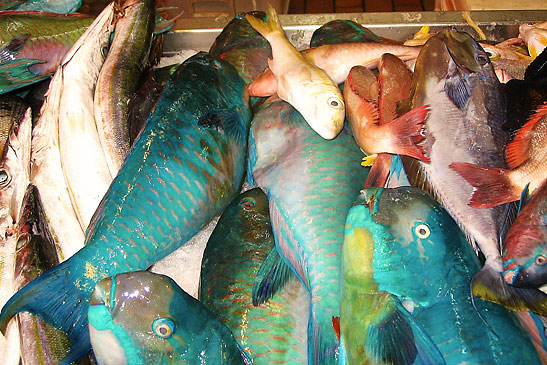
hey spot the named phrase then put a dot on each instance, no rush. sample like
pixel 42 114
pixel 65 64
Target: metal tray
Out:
pixel 199 33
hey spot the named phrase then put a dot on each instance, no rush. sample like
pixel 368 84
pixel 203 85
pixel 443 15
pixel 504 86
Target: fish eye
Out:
pixel 489 54
pixel 422 230
pixel 163 327
pixel 334 102
pixel 5 178
pixel 22 241
pixel 541 260
pixel 482 60
pixel 248 203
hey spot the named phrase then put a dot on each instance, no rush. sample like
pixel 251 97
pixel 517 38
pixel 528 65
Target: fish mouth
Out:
pixel 460 47
pixel 102 293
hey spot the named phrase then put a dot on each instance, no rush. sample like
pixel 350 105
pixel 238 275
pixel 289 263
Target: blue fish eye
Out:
pixel 422 230
pixel 248 203
pixel 163 327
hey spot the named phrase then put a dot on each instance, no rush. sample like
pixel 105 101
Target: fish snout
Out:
pixel 534 276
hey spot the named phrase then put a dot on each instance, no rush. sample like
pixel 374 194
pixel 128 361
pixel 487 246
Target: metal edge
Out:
pixel 380 19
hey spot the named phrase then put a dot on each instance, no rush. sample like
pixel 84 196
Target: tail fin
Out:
pixel 488 284
pixel 323 345
pixel 272 26
pixel 408 132
pixel 379 172
pixel 53 297
pixel 491 185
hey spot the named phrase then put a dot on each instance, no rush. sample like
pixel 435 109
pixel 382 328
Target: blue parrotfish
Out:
pixel 311 183
pixel 143 318
pixel 270 333
pixel 406 296
pixel 185 167
pixel 52 6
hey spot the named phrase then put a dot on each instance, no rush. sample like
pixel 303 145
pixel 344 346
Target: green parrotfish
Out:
pixel 271 333
pixel 143 318
pixel 311 183
pixel 406 297
pixel 185 167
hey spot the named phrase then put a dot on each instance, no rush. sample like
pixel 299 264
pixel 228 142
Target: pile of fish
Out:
pixel 370 201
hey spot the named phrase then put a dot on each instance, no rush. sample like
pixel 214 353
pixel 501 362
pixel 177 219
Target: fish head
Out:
pixel 252 206
pixel 130 320
pixel 525 255
pixel 322 106
pixel 413 239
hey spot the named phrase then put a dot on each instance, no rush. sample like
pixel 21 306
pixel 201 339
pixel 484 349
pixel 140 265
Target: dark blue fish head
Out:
pixel 416 242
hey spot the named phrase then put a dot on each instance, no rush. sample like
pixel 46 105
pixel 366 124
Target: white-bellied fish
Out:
pixel 14 178
pixel 306 87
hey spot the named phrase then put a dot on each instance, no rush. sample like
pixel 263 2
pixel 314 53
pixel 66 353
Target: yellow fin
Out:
pixel 271 26
pixel 368 160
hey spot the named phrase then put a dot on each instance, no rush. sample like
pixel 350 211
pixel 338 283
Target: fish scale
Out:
pixel 307 212
pixel 143 216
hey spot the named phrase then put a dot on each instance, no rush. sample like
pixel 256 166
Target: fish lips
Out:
pixel 101 294
pixel 533 276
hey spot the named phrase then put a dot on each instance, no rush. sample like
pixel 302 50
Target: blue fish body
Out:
pixel 311 183
pixel 422 260
pixel 185 167
pixel 48 6
pixel 143 318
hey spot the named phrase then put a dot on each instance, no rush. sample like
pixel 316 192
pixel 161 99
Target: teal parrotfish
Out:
pixel 270 333
pixel 311 183
pixel 143 318
pixel 185 167
pixel 405 294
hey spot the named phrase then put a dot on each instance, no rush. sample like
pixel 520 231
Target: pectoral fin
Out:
pixel 271 277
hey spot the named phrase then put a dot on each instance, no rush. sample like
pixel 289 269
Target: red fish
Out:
pixel 525 247
pixel 526 156
pixel 399 136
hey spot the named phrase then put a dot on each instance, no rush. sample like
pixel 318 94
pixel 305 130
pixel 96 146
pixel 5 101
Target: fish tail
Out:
pixel 272 25
pixel 379 172
pixel 407 131
pixel 488 284
pixel 491 185
pixel 52 297
pixel 323 345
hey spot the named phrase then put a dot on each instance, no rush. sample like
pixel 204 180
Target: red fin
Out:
pixel 264 84
pixel 407 131
pixel 491 185
pixel 336 326
pixel 379 172
pixel 518 150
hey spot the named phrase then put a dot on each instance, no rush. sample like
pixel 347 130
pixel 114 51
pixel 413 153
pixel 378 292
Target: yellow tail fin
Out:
pixel 263 28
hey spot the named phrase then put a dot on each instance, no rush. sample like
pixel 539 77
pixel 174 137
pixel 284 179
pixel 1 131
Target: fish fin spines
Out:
pixel 398 339
pixel 492 186
pixel 488 284
pixel 408 132
pixel 271 277
pixel 517 151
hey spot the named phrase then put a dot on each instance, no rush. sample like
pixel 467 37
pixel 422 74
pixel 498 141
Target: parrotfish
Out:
pixel 526 156
pixel 33 44
pixel 524 248
pixel 405 294
pixel 241 45
pixel 342 31
pixel 143 318
pixel 310 184
pixel 185 167
pixel 455 78
pixel 53 6
pixel 272 332
pixel 299 82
